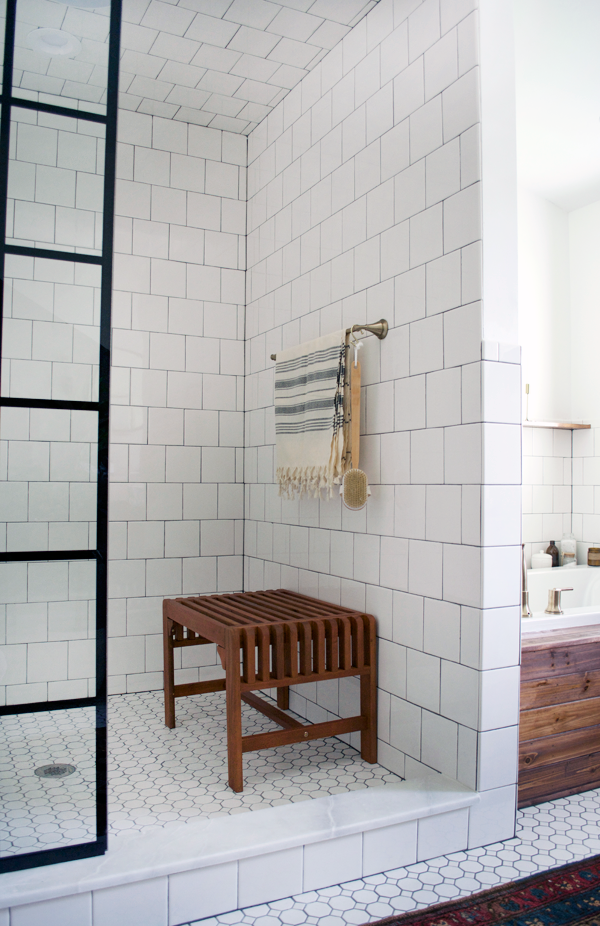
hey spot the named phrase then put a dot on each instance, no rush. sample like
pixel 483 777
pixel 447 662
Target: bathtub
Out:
pixel 581 606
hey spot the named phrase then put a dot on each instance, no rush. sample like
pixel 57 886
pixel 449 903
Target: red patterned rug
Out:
pixel 565 896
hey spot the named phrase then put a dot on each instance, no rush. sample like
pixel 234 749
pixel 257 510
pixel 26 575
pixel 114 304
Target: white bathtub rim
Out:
pixel 571 617
pixel 584 579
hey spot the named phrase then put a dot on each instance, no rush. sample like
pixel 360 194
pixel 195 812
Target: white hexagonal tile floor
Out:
pixel 38 813
pixel 157 776
pixel 548 835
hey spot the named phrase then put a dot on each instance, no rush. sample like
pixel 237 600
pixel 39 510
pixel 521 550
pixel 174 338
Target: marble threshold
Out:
pixel 374 828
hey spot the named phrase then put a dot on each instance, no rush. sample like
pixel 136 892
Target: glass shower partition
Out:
pixel 58 131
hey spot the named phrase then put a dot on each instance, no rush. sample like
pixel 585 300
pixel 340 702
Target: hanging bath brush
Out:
pixel 354 488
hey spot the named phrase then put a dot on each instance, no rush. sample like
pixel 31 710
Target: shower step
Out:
pixel 206 867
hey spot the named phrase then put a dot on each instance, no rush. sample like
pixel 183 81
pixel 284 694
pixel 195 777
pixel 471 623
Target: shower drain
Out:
pixel 54 771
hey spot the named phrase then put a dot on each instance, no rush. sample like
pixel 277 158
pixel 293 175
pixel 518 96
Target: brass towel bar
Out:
pixel 379 329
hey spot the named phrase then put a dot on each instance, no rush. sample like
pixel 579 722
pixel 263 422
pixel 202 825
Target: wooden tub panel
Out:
pixel 559 732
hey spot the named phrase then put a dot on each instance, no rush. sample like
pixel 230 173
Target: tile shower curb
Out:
pixel 201 844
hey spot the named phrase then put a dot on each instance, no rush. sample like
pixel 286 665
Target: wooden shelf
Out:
pixel 557 425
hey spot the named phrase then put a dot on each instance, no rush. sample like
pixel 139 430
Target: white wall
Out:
pixel 48 457
pixel 499 165
pixel 545 336
pixel 544 326
pixel 176 501
pixel 559 294
pixel 176 458
pixel 547 487
pixel 584 248
pixel 584 236
pixel 364 201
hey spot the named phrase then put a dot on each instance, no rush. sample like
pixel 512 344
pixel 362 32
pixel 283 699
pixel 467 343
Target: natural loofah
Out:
pixel 355 489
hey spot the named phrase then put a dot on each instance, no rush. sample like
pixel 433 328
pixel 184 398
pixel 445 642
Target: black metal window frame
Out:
pixel 100 554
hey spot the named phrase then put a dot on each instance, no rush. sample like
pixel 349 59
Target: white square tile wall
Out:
pixel 364 202
pixel 549 473
pixel 51 329
pixel 359 197
pixel 586 495
pixel 48 461
pixel 47 479
pixel 55 182
pixel 223 63
pixel 47 630
pixel 176 502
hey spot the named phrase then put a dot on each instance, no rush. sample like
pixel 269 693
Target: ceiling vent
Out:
pixel 54 42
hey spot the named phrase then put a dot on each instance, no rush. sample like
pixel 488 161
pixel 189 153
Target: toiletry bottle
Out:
pixel 552 549
pixel 541 560
pixel 594 555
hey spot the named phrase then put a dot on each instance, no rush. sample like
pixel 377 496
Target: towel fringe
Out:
pixel 307 480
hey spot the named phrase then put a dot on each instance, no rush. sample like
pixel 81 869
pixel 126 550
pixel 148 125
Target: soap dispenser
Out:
pixel 552 550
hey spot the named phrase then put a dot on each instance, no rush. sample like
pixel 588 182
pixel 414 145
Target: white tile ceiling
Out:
pixel 223 63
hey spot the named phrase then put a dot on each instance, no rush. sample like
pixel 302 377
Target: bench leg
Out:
pixel 368 699
pixel 169 674
pixel 368 709
pixel 234 711
pixel 283 698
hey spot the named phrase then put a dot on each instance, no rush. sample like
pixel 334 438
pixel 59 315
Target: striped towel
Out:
pixel 309 416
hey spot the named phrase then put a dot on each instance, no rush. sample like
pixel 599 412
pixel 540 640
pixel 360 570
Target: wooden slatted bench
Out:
pixel 274 639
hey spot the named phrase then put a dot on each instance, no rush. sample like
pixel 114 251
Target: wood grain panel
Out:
pixel 533 640
pixel 559 659
pixel 552 749
pixel 567 777
pixel 559 751
pixel 546 721
pixel 540 692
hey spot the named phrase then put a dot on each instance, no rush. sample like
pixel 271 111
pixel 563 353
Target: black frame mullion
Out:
pixel 73 257
pixel 49 403
pixel 36 556
pixel 7 69
pixel 110 166
pixel 100 554
pixel 58 110
pixel 38 707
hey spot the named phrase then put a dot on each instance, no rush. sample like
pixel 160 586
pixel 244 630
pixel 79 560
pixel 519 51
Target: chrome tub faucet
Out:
pixel 554 600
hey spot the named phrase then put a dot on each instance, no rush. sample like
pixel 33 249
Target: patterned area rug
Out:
pixel 564 896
